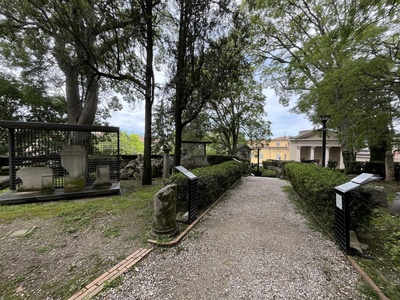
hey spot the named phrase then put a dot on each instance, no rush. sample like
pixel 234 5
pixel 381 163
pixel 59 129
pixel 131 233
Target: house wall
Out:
pixel 276 149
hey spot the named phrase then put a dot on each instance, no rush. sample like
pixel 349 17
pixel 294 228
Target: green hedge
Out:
pixel 315 185
pixel 268 173
pixel 270 162
pixel 213 181
pixel 375 167
pixel 219 159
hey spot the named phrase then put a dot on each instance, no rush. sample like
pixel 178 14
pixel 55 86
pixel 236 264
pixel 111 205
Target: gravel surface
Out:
pixel 251 245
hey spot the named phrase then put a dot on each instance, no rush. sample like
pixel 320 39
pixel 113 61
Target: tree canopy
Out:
pixel 339 57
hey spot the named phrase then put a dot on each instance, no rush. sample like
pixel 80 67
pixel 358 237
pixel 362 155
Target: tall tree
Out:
pixel 130 59
pixel 317 50
pixel 237 106
pixel 38 36
pixel 89 41
pixel 23 102
pixel 198 22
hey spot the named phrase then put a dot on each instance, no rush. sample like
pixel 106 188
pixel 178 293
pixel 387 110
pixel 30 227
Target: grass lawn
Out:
pixel 74 241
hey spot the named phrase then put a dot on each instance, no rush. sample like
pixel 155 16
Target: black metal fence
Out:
pixel 40 144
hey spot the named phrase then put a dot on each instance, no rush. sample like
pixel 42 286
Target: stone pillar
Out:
pixel 166 162
pixel 341 164
pixel 298 153
pixel 312 148
pixel 327 150
pixel 389 166
pixel 164 216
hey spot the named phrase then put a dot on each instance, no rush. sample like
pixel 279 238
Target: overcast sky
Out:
pixel 283 121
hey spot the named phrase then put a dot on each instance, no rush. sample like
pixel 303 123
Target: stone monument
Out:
pixel 74 160
pixel 389 166
pixel 164 216
pixel 102 177
pixel 36 179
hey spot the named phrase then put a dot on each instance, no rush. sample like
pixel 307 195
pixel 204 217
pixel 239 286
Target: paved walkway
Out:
pixel 251 245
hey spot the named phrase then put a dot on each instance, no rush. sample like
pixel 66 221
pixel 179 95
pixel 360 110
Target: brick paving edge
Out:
pixel 97 285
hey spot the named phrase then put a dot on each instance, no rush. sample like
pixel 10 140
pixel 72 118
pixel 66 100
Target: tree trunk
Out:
pixel 73 98
pixel 91 101
pixel 180 83
pixel 147 170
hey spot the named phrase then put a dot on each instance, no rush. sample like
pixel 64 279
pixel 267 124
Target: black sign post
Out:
pixel 192 193
pixel 342 212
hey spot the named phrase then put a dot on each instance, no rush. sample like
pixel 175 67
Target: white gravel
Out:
pixel 252 245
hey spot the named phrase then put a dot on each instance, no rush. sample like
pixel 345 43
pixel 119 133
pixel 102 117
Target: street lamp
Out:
pixel 258 160
pixel 324 119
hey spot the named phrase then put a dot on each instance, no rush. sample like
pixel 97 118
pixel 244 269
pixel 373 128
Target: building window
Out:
pixel 278 156
pixel 278 144
pixel 284 157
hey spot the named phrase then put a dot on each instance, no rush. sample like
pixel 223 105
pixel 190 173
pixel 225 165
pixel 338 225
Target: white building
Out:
pixel 308 146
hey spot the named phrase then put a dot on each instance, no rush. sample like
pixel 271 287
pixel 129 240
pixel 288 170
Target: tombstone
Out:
pixel 389 166
pixel 74 160
pixel 36 179
pixel 395 209
pixel 102 177
pixel 164 216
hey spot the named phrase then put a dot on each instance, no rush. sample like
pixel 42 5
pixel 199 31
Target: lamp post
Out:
pixel 258 160
pixel 324 119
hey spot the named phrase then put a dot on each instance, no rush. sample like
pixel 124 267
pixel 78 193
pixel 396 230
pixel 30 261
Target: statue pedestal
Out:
pixel 102 178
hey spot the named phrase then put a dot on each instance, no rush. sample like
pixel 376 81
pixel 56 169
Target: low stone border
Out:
pixel 96 286
pixel 177 239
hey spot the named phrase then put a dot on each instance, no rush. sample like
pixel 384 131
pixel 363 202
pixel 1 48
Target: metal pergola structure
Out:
pixel 40 144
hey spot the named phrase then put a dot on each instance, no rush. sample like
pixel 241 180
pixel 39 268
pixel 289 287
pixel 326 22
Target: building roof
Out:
pixel 281 138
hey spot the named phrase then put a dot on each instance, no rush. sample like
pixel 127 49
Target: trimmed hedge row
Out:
pixel 315 185
pixel 213 182
pixel 217 159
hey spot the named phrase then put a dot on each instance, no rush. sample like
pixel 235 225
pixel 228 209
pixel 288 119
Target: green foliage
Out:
pixel 375 167
pixel 219 159
pixel 315 185
pixel 363 207
pixel 213 181
pixel 270 162
pixel 130 143
pixel 22 102
pixel 268 173
pixel 354 167
pixel 331 55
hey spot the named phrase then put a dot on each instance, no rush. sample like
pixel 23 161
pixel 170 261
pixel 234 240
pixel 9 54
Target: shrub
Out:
pixel 315 185
pixel 362 207
pixel 213 181
pixel 268 173
pixel 375 167
pixel 270 162
pixel 354 167
pixel 219 159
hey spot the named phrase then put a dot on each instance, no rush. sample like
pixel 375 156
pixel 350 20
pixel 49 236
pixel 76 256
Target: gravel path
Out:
pixel 252 245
